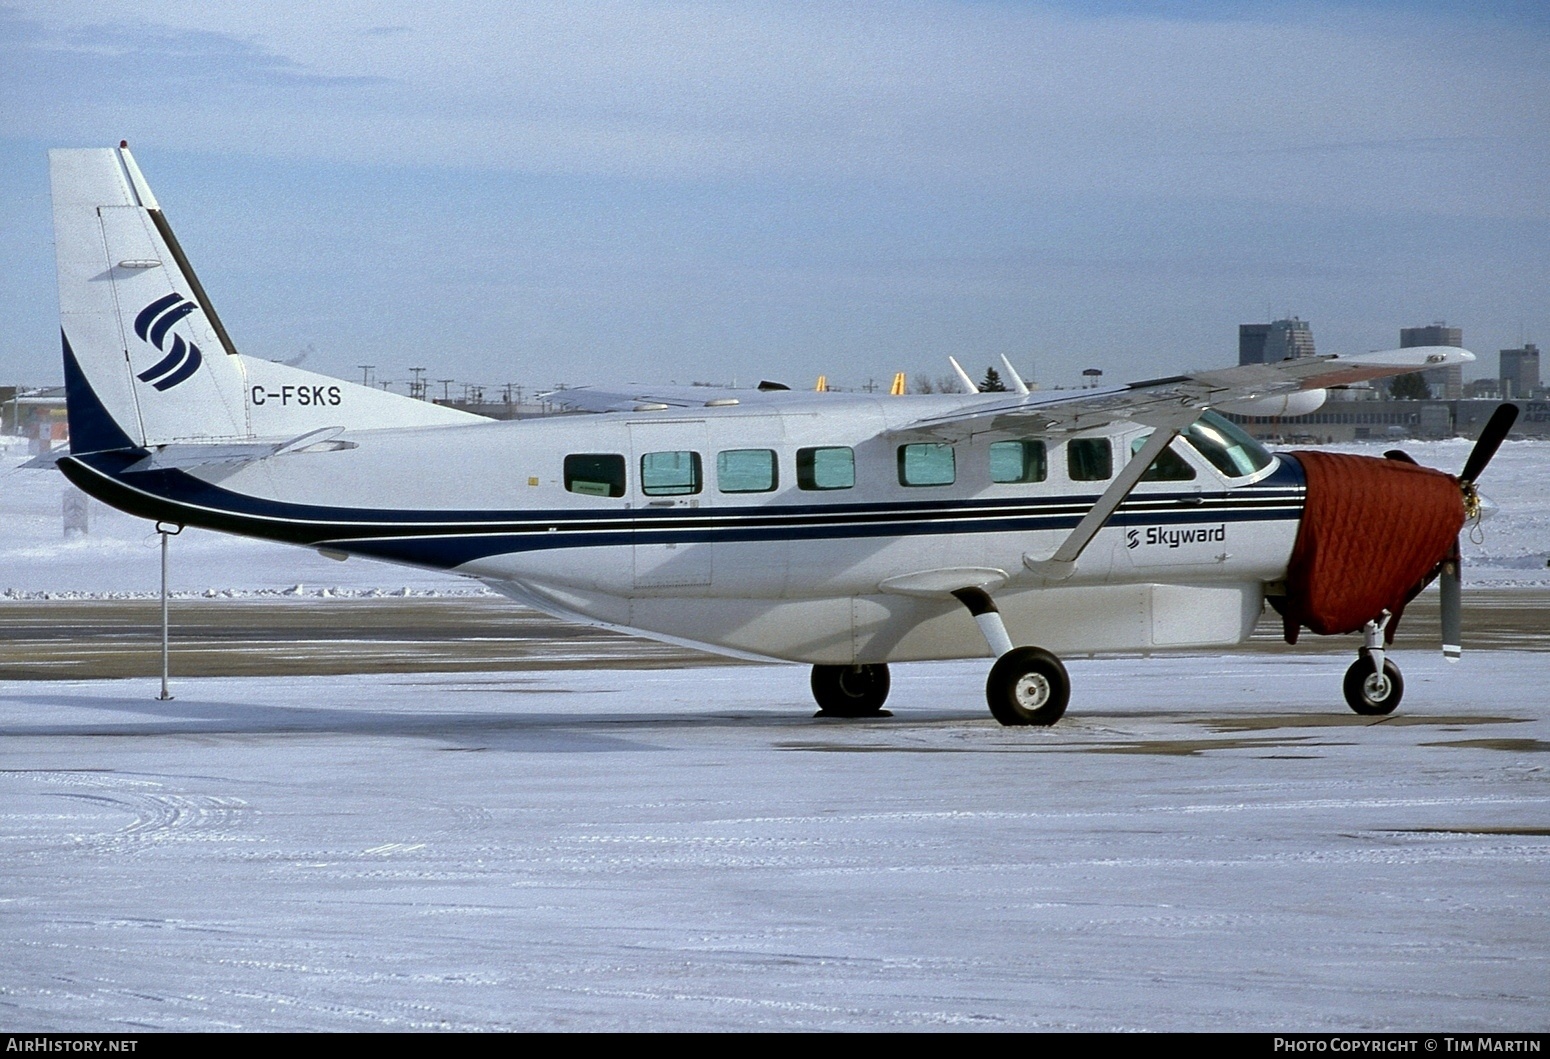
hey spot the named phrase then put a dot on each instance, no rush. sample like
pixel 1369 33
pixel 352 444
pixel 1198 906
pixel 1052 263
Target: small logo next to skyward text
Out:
pixel 1171 537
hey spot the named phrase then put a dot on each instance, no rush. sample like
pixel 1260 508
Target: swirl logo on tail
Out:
pixel 182 358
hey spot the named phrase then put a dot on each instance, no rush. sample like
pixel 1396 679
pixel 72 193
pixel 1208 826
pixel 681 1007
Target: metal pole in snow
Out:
pixel 165 534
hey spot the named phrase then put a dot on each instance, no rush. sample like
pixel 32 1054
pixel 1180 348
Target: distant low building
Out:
pixel 1387 418
pixel 36 414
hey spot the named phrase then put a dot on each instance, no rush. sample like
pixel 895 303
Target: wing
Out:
pixel 645 398
pixel 1165 402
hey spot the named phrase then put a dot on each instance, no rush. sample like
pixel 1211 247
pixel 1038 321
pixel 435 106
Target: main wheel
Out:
pixel 1028 685
pixel 1370 693
pixel 850 691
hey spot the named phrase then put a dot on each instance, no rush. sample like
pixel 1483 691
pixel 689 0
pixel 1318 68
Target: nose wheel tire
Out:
pixel 1370 693
pixel 1028 686
pixel 851 691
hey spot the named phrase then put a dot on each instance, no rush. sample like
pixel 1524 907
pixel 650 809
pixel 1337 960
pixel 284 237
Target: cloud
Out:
pixel 788 176
pixel 1290 104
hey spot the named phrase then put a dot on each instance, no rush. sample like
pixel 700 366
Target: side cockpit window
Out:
pixel 595 474
pixel 1090 459
pixel 1227 446
pixel 1169 466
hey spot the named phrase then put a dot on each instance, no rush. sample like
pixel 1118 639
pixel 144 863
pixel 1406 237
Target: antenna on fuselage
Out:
pixel 963 376
pixel 1017 380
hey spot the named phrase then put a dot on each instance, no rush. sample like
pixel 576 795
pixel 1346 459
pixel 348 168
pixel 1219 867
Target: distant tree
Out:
pixel 1411 387
pixel 922 384
pixel 992 383
pixel 948 384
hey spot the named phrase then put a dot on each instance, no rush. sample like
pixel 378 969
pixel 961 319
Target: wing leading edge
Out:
pixel 1246 389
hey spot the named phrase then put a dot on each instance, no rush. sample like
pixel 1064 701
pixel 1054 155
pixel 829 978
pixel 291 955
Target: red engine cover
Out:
pixel 1372 533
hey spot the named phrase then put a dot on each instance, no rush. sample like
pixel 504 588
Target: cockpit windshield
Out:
pixel 1227 446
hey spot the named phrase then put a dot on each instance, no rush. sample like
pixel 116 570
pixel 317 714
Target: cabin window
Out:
pixel 830 467
pixel 1089 459
pixel 595 474
pixel 746 471
pixel 927 463
pixel 1169 466
pixel 670 473
pixel 1018 461
pixel 1229 449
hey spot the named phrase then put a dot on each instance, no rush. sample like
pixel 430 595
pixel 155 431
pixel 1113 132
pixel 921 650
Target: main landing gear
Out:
pixel 851 691
pixel 1027 685
pixel 1373 686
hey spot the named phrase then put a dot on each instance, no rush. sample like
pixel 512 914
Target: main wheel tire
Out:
pixel 1028 686
pixel 851 691
pixel 1370 694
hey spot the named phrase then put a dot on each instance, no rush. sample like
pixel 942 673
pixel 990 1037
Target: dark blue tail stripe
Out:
pixel 92 429
pixel 151 311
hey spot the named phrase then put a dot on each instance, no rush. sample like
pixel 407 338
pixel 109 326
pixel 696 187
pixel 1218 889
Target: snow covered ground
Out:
pixel 1209 842
pixel 1203 843
pixel 119 557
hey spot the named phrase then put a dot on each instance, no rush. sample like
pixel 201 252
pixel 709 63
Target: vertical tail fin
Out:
pixel 147 361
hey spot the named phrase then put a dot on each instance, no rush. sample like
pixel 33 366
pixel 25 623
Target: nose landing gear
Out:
pixel 1373 686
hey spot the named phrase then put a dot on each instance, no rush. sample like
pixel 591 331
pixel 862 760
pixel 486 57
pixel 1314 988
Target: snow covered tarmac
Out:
pixel 1203 843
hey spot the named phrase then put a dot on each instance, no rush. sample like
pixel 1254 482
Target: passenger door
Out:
pixel 670 471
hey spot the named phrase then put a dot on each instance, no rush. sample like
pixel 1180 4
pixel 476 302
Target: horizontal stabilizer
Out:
pixel 186 457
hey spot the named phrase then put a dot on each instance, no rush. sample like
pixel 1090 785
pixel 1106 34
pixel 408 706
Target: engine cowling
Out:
pixel 1373 533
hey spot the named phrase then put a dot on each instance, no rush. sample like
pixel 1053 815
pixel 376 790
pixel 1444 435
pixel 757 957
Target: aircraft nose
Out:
pixel 1373 532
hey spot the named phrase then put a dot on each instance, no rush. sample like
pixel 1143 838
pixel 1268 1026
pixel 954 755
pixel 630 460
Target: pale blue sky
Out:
pixel 698 191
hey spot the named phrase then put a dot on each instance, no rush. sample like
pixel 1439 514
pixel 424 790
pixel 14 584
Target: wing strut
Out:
pixel 1059 566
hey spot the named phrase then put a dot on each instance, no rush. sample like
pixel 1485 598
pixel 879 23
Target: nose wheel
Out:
pixel 1370 690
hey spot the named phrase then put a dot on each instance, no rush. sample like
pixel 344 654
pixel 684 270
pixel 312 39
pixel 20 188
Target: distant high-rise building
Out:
pixel 1447 384
pixel 1251 343
pixel 1519 371
pixel 1268 343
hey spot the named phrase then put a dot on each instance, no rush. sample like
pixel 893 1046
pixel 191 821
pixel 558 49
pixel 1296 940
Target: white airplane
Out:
pixel 845 531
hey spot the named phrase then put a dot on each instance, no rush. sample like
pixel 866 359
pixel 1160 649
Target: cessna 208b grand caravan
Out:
pixel 845 531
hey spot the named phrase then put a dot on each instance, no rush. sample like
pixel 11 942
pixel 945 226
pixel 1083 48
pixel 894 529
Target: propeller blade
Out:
pixel 1490 440
pixel 1450 583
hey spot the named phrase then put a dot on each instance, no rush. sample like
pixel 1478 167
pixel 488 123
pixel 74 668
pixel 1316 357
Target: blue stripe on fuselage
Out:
pixel 448 539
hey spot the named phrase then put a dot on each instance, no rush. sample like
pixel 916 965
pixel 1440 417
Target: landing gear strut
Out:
pixel 851 691
pixel 1027 685
pixel 1373 686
